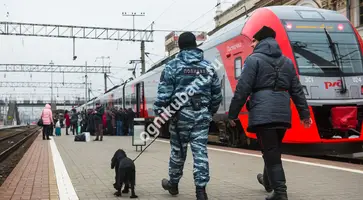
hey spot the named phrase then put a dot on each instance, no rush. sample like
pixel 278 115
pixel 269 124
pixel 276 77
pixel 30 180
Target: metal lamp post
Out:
pixel 104 68
pixel 51 82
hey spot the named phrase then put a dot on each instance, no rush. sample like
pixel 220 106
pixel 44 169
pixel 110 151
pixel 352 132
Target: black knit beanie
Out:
pixel 187 40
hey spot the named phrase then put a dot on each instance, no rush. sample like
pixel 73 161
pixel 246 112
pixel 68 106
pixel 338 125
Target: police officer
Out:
pixel 269 79
pixel 189 93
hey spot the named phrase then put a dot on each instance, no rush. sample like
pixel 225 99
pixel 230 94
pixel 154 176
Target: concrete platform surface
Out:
pixel 233 173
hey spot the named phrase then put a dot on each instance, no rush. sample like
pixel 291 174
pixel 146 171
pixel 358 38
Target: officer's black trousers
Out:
pixel 270 142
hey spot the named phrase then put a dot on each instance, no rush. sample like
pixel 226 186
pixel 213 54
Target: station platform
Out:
pixel 64 169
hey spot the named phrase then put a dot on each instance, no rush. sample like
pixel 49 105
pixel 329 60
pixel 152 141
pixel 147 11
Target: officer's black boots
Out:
pixel 172 188
pixel 201 193
pixel 264 180
pixel 276 175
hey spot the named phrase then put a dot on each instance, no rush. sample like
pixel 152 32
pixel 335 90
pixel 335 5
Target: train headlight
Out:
pixel 361 90
pixel 340 27
pixel 288 25
pixel 305 89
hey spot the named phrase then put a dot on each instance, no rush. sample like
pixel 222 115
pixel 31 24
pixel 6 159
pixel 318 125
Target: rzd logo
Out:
pixel 332 84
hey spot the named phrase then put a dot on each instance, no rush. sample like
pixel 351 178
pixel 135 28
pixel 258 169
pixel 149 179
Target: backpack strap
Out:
pixel 277 65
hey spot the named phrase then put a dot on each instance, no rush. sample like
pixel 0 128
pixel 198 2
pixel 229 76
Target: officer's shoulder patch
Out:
pixel 194 71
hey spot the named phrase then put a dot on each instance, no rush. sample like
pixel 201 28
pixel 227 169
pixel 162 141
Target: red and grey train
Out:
pixel 327 53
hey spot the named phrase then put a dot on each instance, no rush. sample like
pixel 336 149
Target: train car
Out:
pixel 314 39
pixel 327 53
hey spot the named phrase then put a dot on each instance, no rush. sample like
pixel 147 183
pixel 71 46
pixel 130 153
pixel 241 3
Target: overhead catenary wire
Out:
pixel 115 77
pixel 110 80
pixel 202 15
pixel 183 29
pixel 150 59
pixel 165 10
pixel 162 13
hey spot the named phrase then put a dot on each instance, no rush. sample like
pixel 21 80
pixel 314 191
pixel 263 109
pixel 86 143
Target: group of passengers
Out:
pixel 111 121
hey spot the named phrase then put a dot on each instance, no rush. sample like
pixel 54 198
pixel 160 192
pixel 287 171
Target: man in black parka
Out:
pixel 269 79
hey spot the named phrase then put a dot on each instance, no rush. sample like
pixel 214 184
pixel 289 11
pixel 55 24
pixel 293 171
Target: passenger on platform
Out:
pixel 125 126
pixel 98 118
pixel 130 121
pixel 114 113
pixel 52 127
pixel 194 108
pixel 68 121
pixel 108 121
pixel 91 127
pixel 119 116
pixel 269 79
pixel 58 128
pixel 83 121
pixel 47 118
pixel 104 122
pixel 61 122
pixel 74 121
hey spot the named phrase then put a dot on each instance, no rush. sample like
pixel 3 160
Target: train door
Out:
pixel 138 99
pixel 223 87
pixel 123 96
pixel 143 110
pixel 238 66
pixel 240 59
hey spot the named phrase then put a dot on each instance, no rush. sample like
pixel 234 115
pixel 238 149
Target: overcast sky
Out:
pixel 105 13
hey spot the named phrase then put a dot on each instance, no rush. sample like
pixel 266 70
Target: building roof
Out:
pixel 241 2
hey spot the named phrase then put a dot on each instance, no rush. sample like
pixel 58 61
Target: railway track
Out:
pixel 12 142
pixel 9 133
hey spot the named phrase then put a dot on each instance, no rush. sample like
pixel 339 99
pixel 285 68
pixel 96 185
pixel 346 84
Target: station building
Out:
pixel 353 9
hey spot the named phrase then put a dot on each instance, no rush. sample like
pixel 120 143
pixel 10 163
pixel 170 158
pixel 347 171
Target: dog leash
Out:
pixel 145 148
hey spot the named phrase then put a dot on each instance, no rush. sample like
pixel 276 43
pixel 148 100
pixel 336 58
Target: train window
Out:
pixel 360 12
pixel 133 99
pixel 315 58
pixel 128 100
pixel 237 67
pixel 311 14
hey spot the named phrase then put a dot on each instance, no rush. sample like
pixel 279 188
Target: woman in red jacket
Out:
pixel 68 121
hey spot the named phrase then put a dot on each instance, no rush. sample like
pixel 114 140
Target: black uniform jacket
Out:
pixel 268 107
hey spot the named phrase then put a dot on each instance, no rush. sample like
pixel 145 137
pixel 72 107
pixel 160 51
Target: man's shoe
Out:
pixel 172 188
pixel 201 193
pixel 277 178
pixel 263 180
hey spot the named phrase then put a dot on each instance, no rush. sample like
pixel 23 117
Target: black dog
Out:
pixel 125 173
